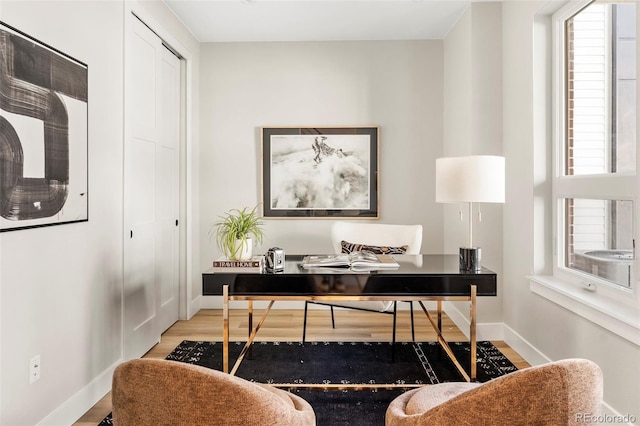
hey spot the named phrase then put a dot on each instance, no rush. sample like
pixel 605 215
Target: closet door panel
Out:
pixel 167 190
pixel 152 141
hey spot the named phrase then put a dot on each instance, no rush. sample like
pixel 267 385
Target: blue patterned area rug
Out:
pixel 346 362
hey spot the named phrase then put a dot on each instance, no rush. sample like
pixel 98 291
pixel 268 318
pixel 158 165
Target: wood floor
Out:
pixel 286 325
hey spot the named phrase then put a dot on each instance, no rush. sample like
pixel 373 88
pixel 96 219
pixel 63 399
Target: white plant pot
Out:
pixel 244 249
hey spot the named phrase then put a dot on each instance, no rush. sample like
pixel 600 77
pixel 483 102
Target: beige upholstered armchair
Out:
pixel 559 393
pixel 159 392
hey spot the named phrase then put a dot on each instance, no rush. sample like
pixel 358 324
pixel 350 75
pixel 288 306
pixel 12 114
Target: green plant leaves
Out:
pixel 235 228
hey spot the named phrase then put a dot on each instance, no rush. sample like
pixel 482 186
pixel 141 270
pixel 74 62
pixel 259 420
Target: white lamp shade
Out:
pixel 471 179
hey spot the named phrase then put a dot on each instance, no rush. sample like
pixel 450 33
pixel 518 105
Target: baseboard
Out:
pixel 193 307
pixel 76 406
pixel 484 331
pixel 609 415
pixel 525 349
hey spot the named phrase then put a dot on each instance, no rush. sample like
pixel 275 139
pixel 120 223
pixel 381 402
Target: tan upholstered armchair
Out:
pixel 159 392
pixel 559 393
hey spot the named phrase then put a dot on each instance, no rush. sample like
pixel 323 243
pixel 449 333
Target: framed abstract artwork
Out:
pixel 320 172
pixel 43 134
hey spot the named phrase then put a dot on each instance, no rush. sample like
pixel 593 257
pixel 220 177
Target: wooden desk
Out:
pixel 419 278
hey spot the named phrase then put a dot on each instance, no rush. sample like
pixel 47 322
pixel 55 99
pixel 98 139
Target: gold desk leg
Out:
pixel 250 339
pixel 250 313
pixel 225 328
pixel 444 344
pixel 472 332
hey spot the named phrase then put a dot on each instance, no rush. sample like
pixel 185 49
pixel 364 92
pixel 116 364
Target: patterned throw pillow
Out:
pixel 348 247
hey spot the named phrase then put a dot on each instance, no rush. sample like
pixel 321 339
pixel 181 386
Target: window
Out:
pixel 595 185
pixel 598 238
pixel 600 75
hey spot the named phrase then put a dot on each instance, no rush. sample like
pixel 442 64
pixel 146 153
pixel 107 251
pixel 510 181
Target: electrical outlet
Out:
pixel 34 369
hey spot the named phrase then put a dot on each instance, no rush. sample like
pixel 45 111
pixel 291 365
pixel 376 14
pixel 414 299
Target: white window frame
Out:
pixel 608 305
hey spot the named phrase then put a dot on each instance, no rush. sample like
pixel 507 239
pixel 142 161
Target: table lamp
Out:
pixel 470 179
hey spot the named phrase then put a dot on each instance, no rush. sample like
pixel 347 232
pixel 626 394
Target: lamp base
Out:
pixel 470 259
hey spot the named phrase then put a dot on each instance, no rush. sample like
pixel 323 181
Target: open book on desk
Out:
pixel 356 261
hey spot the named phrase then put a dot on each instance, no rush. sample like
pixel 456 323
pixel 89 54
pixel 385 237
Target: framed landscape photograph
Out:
pixel 320 172
pixel 43 134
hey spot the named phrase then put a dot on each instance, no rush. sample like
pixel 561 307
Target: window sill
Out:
pixel 621 320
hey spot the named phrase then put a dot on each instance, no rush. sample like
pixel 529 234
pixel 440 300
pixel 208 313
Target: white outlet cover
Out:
pixel 34 369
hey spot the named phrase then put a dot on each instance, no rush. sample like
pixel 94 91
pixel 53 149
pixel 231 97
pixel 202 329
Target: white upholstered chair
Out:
pixel 386 236
pixel 377 234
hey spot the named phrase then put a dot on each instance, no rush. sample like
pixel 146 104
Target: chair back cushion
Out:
pixel 377 234
pixel 160 392
pixel 347 247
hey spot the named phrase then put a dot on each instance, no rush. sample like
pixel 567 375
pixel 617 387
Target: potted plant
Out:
pixel 233 233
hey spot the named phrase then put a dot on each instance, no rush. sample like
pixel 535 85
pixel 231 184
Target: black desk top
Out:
pixel 428 275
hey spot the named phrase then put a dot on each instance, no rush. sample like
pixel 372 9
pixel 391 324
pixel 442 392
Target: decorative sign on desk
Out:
pixel 320 172
pixel 255 264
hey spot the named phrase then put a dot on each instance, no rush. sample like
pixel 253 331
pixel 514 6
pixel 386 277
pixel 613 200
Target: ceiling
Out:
pixel 317 20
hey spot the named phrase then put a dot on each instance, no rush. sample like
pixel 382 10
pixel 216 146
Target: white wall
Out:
pixel 395 85
pixel 473 125
pixel 61 286
pixel 458 137
pixel 537 328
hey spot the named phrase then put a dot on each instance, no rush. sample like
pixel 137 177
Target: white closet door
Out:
pixel 152 93
pixel 167 190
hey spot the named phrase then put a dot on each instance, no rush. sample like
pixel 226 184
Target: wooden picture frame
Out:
pixel 320 172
